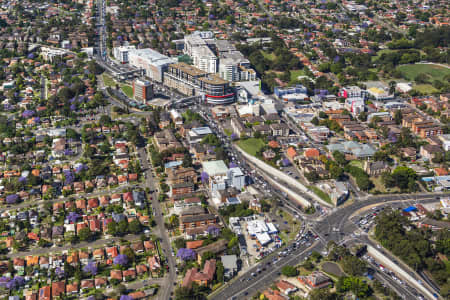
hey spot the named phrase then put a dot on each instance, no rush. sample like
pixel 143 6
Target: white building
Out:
pixel 403 87
pixel 121 53
pixel 236 178
pixel 197 39
pixel 380 94
pixel 221 177
pixel 353 92
pixel 233 66
pixel 217 173
pixel 217 56
pixel 355 105
pixel 445 138
pixel 195 135
pixel 152 62
pixel 204 59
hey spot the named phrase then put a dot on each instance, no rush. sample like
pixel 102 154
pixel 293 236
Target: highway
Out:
pixel 335 226
pixel 242 289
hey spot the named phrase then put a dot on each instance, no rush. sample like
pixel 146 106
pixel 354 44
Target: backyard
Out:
pixel 295 74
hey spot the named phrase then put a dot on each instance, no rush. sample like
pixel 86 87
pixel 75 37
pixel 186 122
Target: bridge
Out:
pixel 126 74
pixel 186 101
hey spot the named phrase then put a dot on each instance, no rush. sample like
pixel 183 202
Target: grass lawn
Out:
pixel 425 88
pixel 324 196
pixel 375 57
pixel 433 71
pixel 379 186
pixel 332 268
pixel 251 145
pixel 296 73
pixel 356 163
pixel 128 90
pixel 107 80
pixel 228 132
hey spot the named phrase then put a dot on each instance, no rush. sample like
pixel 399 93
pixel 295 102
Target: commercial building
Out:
pixel 142 90
pixel 197 39
pixel 281 92
pixel 353 149
pixel 121 53
pixel 261 231
pixel 236 178
pixel 380 94
pixel 195 135
pixel 353 92
pixel 192 81
pixel 152 62
pixel 355 105
pixel 230 266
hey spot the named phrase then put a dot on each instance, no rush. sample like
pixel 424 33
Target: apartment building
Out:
pixel 192 81
pixel 142 90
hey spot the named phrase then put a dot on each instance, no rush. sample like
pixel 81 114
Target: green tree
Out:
pixel 220 270
pixel 353 265
pixel 130 254
pixel 336 172
pixel 122 227
pixel 84 234
pixel 323 115
pixel 339 157
pixel 180 243
pixel 187 160
pixel 134 227
pixel 398 117
pixel 354 284
pixel 289 271
pixel 315 121
pixel 112 228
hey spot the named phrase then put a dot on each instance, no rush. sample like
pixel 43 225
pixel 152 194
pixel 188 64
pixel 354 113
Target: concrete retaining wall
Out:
pixel 386 262
pixel 292 195
pixel 278 175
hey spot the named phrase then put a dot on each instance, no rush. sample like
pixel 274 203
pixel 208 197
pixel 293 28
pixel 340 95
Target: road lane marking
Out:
pixel 276 270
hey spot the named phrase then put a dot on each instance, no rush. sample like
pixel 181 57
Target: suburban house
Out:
pixel 315 280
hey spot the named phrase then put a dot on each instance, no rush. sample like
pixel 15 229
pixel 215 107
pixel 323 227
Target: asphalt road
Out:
pixel 247 285
pixel 166 290
pixel 93 245
pixel 338 219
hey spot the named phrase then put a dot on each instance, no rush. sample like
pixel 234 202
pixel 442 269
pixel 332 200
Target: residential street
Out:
pixel 167 286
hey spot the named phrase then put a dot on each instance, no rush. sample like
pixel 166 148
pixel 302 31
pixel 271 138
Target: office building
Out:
pixel 152 62
pixel 142 90
pixel 281 92
pixel 121 53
